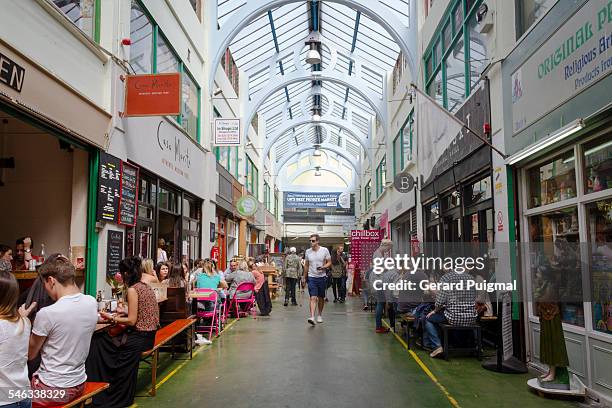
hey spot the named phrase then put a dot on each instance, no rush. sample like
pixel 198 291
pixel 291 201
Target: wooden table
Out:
pixel 27 274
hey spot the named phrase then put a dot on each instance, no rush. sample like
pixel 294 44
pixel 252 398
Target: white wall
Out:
pixel 32 27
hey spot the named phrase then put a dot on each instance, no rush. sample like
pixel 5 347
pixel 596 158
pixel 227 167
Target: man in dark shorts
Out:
pixel 317 260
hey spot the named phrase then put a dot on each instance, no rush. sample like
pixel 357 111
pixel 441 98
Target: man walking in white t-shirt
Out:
pixel 316 262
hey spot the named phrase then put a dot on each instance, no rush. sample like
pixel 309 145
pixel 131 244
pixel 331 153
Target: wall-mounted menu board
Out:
pixel 129 194
pixel 114 251
pixel 109 188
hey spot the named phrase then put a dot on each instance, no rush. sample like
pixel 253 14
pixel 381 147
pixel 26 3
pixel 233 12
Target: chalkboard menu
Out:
pixel 129 194
pixel 114 252
pixel 109 186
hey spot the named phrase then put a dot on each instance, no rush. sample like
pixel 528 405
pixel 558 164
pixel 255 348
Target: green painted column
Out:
pixel 91 258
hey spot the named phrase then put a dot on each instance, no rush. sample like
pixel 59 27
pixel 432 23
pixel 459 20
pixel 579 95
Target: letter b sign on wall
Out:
pixel 403 182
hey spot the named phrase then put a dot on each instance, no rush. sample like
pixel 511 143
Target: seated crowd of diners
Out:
pixel 430 308
pixel 50 341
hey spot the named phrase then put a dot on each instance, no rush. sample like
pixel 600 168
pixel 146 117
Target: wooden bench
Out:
pixel 163 336
pixel 91 389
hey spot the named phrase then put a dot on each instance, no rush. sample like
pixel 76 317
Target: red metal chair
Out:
pixel 242 306
pixel 208 295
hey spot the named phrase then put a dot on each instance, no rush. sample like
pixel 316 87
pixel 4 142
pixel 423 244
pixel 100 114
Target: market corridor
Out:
pixel 280 361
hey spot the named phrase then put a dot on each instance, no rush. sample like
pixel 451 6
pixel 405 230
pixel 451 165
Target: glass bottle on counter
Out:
pixel 42 252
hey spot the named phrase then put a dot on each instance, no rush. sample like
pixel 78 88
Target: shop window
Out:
pixel 530 11
pixel 437 52
pixel 453 200
pixel 381 176
pixel 600 238
pixel 435 89
pixel 447 35
pixel 141 35
pixel 432 211
pixel 169 200
pixel 80 12
pixel 455 76
pixel 598 164
pixel 479 57
pixel 398 163
pixel 552 181
pixel 367 194
pixel 478 192
pixel 407 133
pixel 555 262
pixel 189 114
pixel 252 178
pixel 197 7
pixel 166 59
pixel 428 67
pixel 457 17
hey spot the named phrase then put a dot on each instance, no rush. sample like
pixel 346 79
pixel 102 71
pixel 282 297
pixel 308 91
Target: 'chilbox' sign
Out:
pixel 11 74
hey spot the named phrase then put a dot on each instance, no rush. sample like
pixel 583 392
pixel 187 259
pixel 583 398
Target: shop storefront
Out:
pixel 457 199
pixel 226 226
pixel 48 165
pixel 169 220
pixel 559 137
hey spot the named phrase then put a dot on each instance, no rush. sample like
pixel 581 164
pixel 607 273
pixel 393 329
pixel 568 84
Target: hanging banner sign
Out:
pixel 227 132
pixel 316 200
pixel 363 245
pixel 153 95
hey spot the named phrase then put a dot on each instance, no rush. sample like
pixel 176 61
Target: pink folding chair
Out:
pixel 208 295
pixel 242 306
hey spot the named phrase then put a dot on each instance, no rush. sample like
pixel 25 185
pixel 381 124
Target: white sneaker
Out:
pixel 201 340
pixel 319 319
pixel 436 352
pixel 311 320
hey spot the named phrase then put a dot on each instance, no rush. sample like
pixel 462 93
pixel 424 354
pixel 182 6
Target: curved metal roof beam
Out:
pixel 343 124
pixel 377 10
pixel 350 160
pixel 357 85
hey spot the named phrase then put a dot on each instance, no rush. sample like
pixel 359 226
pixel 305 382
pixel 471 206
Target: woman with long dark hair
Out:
pixel 14 338
pixel 114 359
pixel 176 277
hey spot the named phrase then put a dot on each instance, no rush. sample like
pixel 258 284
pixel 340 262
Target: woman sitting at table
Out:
pixel 262 290
pixel 235 278
pixel 148 272
pixel 209 279
pixel 176 278
pixel 162 269
pixel 115 359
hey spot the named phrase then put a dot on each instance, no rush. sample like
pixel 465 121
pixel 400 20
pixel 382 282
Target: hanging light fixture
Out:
pixel 313 56
pixel 317 151
pixel 316 117
pixel 317 171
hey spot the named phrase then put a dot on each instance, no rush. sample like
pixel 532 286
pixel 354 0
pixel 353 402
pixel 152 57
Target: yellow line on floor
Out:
pixel 425 369
pixel 171 373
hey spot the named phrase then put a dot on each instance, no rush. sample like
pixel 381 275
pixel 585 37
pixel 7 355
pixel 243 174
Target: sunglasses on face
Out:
pixel 313 240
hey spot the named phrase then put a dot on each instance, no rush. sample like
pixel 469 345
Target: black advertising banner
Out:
pixel 114 251
pixel 129 194
pixel 109 186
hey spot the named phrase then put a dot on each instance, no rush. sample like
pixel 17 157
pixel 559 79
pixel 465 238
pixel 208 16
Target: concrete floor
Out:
pixel 281 361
